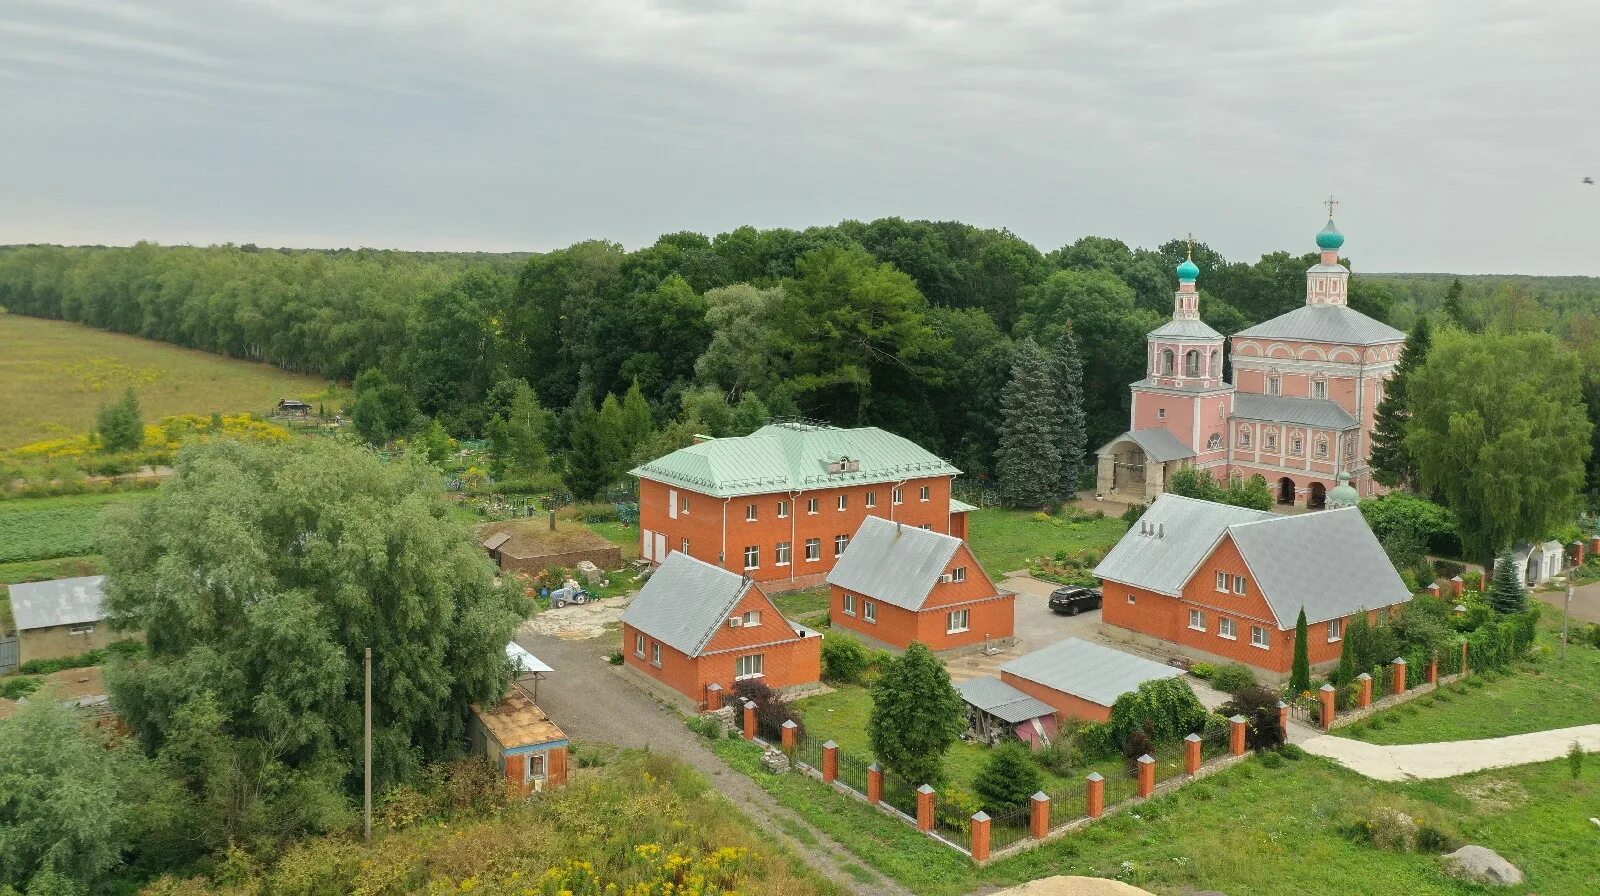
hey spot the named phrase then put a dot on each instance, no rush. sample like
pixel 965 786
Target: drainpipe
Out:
pixel 900 485
pixel 794 516
pixel 723 557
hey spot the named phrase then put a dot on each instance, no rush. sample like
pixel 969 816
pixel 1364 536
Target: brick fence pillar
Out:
pixel 1463 657
pixel 980 836
pixel 713 697
pixel 1039 815
pixel 1399 675
pixel 1594 545
pixel 1433 671
pixel 925 800
pixel 1236 735
pixel 1458 586
pixel 1147 775
pixel 1433 589
pixel 1095 795
pixel 1283 718
pixel 830 762
pixel 1364 699
pixel 1330 705
pixel 874 784
pixel 791 735
pixel 749 720
pixel 1191 754
pixel 1577 553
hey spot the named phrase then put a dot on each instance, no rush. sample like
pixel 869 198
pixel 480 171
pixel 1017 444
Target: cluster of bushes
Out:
pixel 1229 678
pixel 1387 826
pixel 1069 568
pixel 846 660
pixel 128 647
pixel 772 710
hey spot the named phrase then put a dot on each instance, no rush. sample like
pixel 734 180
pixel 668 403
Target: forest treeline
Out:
pixel 909 325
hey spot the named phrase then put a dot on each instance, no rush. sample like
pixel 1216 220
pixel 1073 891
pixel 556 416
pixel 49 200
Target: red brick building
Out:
pixel 898 583
pixel 1226 584
pixel 516 736
pixel 781 504
pixel 694 625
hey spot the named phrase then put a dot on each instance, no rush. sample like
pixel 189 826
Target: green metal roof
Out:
pixel 794 457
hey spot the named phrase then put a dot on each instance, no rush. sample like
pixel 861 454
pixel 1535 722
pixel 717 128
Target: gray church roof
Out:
pixel 1001 700
pixel 685 602
pixel 1183 531
pixel 1158 444
pixel 1186 329
pixel 1084 669
pixel 58 602
pixel 1337 324
pixel 1317 412
pixel 893 563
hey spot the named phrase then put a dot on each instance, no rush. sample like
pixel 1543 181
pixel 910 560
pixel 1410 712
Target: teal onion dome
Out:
pixel 1344 494
pixel 1330 238
pixel 1188 271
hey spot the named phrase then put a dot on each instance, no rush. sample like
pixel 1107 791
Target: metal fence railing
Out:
pixel 900 793
pixel 1009 826
pixel 853 772
pixel 808 751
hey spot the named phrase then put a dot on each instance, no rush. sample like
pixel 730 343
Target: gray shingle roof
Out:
pixel 1318 412
pixel 1001 700
pixel 1084 669
pixel 1336 324
pixel 1189 528
pixel 1157 444
pixel 896 564
pixel 791 457
pixel 58 602
pixel 1328 562
pixel 1186 329
pixel 685 602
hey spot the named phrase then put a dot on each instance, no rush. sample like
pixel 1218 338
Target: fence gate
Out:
pixel 8 654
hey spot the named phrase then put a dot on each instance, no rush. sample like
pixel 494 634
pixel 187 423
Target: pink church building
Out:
pixel 1300 410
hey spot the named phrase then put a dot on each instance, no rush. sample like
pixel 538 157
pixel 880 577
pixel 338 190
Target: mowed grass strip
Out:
pixel 1005 539
pixel 55 375
pixel 35 529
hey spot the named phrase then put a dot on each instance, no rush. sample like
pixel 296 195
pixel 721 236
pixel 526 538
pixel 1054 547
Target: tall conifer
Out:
pixel 1028 459
pixel 1391 462
pixel 1066 367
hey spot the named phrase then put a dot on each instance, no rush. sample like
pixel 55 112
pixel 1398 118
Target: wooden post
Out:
pixel 874 784
pixel 1399 675
pixel 1330 705
pixel 1191 754
pixel 830 762
pixel 790 736
pixel 1236 735
pixel 1364 699
pixel 980 836
pixel 925 799
pixel 366 783
pixel 1147 775
pixel 1095 795
pixel 1039 816
pixel 749 720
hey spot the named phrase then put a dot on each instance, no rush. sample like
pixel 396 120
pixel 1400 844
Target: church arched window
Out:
pixel 1272 441
pixel 1297 445
pixel 1191 363
pixel 1214 442
pixel 1244 437
pixel 1322 447
pixel 1216 363
pixel 1349 447
pixel 1167 359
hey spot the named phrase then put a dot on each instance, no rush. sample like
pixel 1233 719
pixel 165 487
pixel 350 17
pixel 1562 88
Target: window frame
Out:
pixel 847 604
pixel 813 555
pixel 869 611
pixel 1274 385
pixel 755 550
pixel 683 504
pixel 896 495
pixel 750 619
pixel 1227 629
pixel 638 644
pixel 924 493
pixel 684 546
pixel 1223 583
pixel 1197 620
pixel 783 554
pixel 758 660
pixel 752 513
pixel 840 544
pixel 1335 630
pixel 872 499
pixel 1240 586
pixel 655 654
pixel 1319 389
pixel 813 506
pixel 783 509
pixel 959 574
pixel 1265 640
pixel 950 619
pixel 844 501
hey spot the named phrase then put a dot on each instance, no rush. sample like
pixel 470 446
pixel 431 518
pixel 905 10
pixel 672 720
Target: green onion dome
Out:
pixel 1330 238
pixel 1188 271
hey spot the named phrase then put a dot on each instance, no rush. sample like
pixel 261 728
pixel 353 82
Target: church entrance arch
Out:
pixel 1285 490
pixel 1319 496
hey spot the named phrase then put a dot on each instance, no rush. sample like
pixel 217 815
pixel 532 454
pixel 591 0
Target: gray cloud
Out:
pixel 1454 133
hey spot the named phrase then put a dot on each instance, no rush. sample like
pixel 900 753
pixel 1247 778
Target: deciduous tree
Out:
pixel 916 715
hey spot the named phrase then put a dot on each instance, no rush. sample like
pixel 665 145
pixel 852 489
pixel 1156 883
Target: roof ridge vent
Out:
pixel 1161 530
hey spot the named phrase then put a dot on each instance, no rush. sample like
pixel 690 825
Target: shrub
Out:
pixel 771 709
pixel 19 686
pixel 1291 752
pixel 1164 709
pixel 1009 778
pixel 1259 706
pixel 1431 839
pixel 705 726
pixel 1233 678
pixel 1575 760
pixel 1449 569
pixel 1203 670
pixel 1092 739
pixel 1270 759
pixel 843 658
pixel 614 657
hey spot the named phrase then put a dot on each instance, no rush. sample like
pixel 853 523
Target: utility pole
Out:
pixel 1566 609
pixel 367 784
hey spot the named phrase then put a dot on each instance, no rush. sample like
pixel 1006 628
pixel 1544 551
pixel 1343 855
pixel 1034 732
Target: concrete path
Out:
pixel 1409 762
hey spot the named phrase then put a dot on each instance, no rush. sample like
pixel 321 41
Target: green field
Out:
pixel 1005 539
pixel 55 375
pixel 33 529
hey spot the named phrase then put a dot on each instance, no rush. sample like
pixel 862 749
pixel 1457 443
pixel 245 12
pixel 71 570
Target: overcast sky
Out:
pixel 1455 134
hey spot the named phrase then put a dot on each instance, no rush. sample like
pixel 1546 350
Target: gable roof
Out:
pixel 1084 669
pixel 1328 562
pixel 1318 412
pixel 685 602
pixel 1158 444
pixel 893 563
pixel 1189 528
pixel 1185 328
pixel 1001 700
pixel 793 457
pixel 58 602
pixel 1335 324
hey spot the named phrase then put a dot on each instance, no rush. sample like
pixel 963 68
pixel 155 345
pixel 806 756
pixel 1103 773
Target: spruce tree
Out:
pixel 1300 672
pixel 1358 642
pixel 637 421
pixel 597 449
pixel 1453 307
pixel 1066 367
pixel 1009 778
pixel 120 424
pixel 1505 589
pixel 1391 462
pixel 1028 459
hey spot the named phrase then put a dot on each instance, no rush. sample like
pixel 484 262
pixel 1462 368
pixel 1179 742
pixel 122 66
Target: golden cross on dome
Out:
pixel 1331 203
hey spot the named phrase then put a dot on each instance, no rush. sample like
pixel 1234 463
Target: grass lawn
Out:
pixel 1265 832
pixel 55 375
pixel 1535 695
pixel 47 528
pixel 803 605
pixel 56 568
pixel 621 535
pixel 1005 539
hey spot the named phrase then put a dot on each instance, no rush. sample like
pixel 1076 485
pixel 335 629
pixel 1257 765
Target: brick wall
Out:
pixel 1068 705
pixel 990 615
pixel 58 641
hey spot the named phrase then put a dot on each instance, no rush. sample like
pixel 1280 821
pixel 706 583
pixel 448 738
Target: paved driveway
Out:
pixel 1585 602
pixel 1037 627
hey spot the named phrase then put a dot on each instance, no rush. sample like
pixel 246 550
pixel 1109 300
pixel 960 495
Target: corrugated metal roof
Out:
pixel 1001 700
pixel 58 602
pixel 523 661
pixel 1318 412
pixel 1188 529
pixel 896 564
pixel 961 506
pixel 685 602
pixel 1084 669
pixel 1328 562
pixel 496 540
pixel 1335 324
pixel 1186 329
pixel 1158 444
pixel 793 457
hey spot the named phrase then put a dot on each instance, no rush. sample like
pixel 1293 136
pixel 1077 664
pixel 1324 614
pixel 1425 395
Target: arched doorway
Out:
pixel 1319 496
pixel 1285 490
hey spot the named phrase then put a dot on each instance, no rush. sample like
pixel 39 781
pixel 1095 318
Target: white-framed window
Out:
pixel 840 542
pixel 1274 385
pixel 683 504
pixel 956 621
pixel 897 496
pixel 684 546
pixel 959 574
pixel 849 604
pixel 655 655
pixel 1272 441
pixel 1322 448
pixel 1197 620
pixel 927 526
pixel 84 629
pixel 1161 413
pixel 750 513
pixel 872 499
pixel 1244 437
pixel 844 502
pixel 1319 389
pixel 1258 637
pixel 537 765
pixel 1350 447
pixel 784 554
pixel 638 646
pixel 1335 630
pixel 813 505
pixel 1222 582
pixel 869 611
pixel 924 493
pixel 1239 586
pixel 751 666
pixel 1167 359
pixel 783 510
pixel 1296 445
pixel 751 618
pixel 1226 628
pixel 1132 599
pixel 752 557
pixel 813 549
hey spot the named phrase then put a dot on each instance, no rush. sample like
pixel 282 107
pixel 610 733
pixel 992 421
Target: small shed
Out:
pixel 294 406
pixel 533 546
pixel 516 736
pixel 1081 679
pixel 1538 563
pixel 59 618
pixel 995 709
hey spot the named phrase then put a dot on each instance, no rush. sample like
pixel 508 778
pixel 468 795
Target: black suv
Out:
pixel 1071 600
